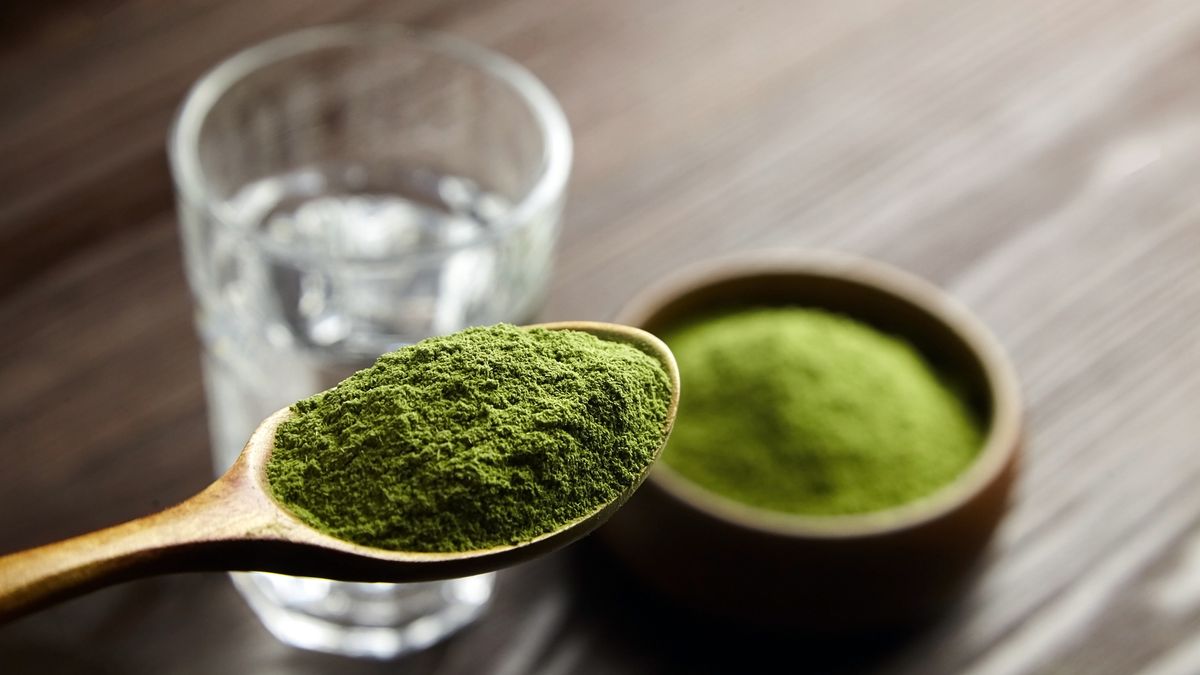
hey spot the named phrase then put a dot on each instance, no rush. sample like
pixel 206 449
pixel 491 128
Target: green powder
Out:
pixel 486 437
pixel 803 411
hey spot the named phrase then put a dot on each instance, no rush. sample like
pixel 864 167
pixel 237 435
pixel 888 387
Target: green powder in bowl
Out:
pixel 487 437
pixel 808 412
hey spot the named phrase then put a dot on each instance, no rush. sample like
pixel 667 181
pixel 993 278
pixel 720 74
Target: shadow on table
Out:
pixel 186 624
pixel 625 611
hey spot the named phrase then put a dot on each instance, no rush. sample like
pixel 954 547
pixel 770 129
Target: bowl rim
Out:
pixel 1000 445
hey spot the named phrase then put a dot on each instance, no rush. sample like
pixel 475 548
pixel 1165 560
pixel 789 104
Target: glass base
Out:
pixel 380 621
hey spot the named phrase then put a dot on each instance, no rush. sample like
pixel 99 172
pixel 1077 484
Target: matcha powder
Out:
pixel 803 411
pixel 487 437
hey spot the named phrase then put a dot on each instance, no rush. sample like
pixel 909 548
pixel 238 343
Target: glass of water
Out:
pixel 344 191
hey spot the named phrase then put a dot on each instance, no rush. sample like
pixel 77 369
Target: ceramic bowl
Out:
pixel 826 573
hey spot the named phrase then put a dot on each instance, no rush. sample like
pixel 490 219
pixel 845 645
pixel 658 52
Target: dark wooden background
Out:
pixel 1038 158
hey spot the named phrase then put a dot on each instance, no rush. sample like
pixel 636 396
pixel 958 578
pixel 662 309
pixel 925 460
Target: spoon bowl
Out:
pixel 235 524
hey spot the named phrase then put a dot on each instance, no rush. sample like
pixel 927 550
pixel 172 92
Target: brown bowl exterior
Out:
pixel 841 573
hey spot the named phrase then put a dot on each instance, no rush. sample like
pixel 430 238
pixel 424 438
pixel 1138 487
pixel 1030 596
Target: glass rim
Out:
pixel 184 135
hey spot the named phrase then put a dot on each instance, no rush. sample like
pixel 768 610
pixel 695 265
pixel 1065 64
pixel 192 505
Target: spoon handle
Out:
pixel 202 533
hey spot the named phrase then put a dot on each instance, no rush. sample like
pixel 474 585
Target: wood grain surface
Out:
pixel 1040 159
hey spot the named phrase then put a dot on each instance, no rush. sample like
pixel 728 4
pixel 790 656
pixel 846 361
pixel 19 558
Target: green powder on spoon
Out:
pixel 487 437
pixel 807 412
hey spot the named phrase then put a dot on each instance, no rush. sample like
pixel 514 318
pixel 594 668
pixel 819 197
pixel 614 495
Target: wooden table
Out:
pixel 1038 158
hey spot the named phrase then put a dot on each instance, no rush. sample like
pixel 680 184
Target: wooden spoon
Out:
pixel 235 524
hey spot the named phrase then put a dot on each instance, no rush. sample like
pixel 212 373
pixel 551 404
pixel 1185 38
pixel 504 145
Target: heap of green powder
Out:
pixel 803 411
pixel 486 437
